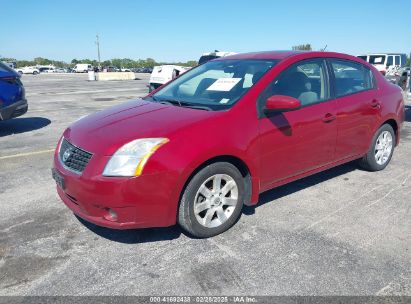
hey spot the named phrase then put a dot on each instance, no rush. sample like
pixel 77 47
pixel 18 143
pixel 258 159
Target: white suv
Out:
pixel 383 61
pixel 28 70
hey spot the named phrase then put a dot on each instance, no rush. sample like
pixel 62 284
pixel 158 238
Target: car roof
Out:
pixel 281 55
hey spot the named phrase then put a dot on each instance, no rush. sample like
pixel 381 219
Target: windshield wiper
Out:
pixel 172 101
pixel 182 104
pixel 199 107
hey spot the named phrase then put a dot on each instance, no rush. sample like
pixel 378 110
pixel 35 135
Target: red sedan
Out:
pixel 196 150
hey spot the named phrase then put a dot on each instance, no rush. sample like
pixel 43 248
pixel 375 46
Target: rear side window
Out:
pixel 351 77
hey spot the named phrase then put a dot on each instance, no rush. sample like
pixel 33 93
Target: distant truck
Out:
pixel 383 61
pixel 163 74
pixel 82 68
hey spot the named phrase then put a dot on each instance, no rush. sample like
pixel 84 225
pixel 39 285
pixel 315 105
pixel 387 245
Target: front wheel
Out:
pixel 212 201
pixel 35 72
pixel 381 150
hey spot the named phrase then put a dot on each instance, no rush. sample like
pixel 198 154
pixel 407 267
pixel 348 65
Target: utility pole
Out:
pixel 98 50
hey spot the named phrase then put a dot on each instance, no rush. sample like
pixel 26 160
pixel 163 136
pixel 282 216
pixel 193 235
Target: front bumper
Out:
pixel 14 110
pixel 140 202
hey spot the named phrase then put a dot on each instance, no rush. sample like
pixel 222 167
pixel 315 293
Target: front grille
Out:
pixel 73 158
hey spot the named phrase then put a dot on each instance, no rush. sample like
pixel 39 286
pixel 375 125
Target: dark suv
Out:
pixel 12 96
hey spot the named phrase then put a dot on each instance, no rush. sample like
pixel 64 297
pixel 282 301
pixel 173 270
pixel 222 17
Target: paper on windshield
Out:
pixel 223 84
pixel 378 60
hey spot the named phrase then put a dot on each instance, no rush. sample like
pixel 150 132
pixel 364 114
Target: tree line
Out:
pixel 116 62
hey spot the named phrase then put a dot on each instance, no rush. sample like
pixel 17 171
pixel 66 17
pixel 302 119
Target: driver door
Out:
pixel 298 141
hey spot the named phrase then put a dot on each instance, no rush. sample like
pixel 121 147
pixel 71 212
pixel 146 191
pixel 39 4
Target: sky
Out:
pixel 181 30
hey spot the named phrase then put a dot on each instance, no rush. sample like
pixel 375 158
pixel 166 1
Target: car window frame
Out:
pixel 333 78
pixel 327 78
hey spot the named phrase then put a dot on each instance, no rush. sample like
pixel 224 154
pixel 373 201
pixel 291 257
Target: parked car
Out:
pixel 10 64
pixel 13 102
pixel 61 70
pixel 198 149
pixel 28 70
pixel 382 61
pixel 110 69
pixel 82 68
pixel 48 69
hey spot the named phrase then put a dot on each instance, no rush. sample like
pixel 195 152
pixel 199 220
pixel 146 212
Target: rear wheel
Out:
pixel 381 150
pixel 212 201
pixel 35 72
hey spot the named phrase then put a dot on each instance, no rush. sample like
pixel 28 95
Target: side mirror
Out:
pixel 281 103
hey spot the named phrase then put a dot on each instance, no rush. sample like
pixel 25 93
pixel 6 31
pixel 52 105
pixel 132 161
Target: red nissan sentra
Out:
pixel 199 148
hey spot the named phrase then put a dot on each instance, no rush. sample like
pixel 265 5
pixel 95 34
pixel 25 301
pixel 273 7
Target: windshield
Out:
pixel 215 85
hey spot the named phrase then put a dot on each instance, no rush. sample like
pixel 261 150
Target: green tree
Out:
pixel 42 61
pixel 106 63
pixel 302 47
pixel 116 62
pixel 191 63
pixel 150 62
pixel 5 59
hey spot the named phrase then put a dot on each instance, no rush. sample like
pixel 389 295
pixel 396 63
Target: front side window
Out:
pixel 390 61
pixel 351 77
pixel 304 80
pixel 215 85
pixel 398 60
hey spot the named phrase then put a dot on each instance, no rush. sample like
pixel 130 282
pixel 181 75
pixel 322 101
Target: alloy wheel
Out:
pixel 383 148
pixel 216 200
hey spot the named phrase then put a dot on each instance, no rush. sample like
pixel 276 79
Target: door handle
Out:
pixel 375 104
pixel 329 118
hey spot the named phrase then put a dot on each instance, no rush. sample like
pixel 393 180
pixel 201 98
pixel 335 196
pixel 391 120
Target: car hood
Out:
pixel 106 131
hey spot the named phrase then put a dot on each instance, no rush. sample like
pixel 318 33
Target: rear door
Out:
pixel 356 106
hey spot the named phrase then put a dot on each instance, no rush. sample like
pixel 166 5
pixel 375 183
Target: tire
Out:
pixel 35 73
pixel 223 210
pixel 370 160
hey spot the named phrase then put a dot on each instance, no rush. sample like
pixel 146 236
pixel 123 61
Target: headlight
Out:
pixel 130 159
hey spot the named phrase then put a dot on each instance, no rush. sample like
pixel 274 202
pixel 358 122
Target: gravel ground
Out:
pixel 341 232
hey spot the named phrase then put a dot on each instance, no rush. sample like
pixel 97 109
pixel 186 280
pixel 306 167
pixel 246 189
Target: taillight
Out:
pixel 383 73
pixel 11 80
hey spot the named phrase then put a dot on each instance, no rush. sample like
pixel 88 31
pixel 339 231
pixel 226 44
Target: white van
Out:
pixel 163 74
pixel 382 61
pixel 82 68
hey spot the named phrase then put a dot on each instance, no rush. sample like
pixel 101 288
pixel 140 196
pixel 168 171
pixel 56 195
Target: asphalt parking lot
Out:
pixel 341 232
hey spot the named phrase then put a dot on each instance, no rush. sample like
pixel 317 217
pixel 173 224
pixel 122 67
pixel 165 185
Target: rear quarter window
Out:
pixel 351 77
